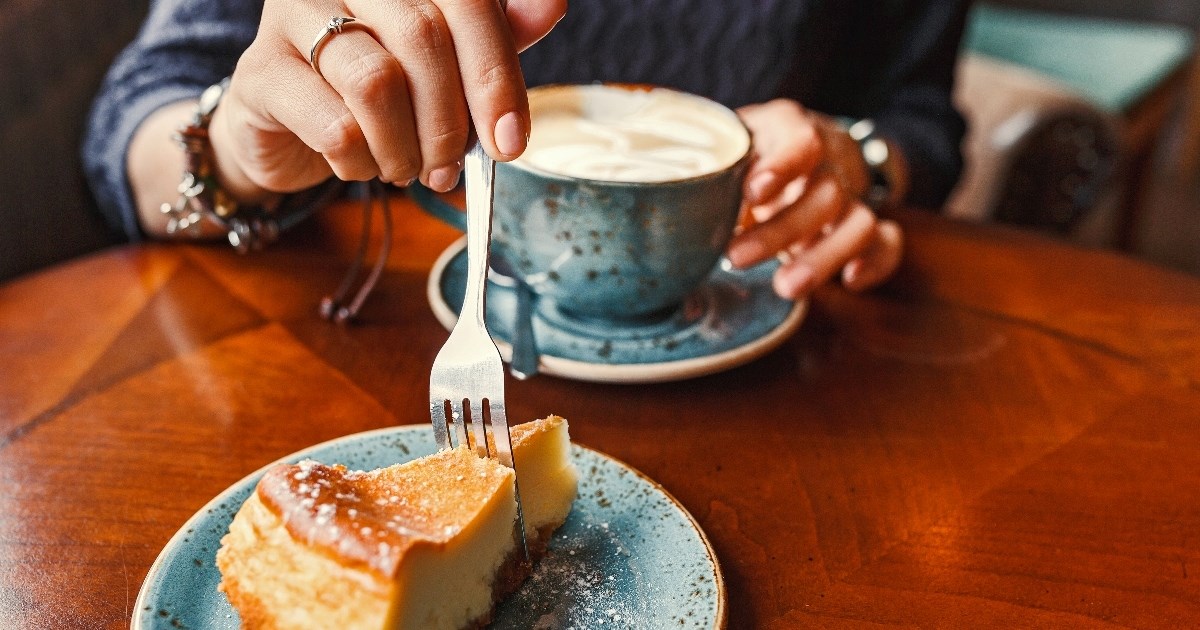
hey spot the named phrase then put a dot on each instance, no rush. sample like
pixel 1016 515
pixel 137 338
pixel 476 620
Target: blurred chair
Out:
pixel 1062 110
pixel 56 52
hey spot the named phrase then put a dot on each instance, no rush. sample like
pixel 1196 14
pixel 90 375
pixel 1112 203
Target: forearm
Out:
pixel 185 46
pixel 898 174
pixel 154 165
pixel 928 133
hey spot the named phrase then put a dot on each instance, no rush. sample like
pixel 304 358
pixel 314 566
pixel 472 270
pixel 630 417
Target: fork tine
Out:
pixel 457 411
pixel 441 433
pixel 499 422
pixel 480 433
pixel 500 435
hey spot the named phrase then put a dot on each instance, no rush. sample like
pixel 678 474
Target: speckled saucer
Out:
pixel 734 318
pixel 628 556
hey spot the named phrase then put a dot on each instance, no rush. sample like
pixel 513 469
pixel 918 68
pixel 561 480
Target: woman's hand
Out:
pixel 803 190
pixel 392 98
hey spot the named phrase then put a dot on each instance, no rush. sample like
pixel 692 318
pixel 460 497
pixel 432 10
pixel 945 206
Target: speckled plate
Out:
pixel 734 318
pixel 628 556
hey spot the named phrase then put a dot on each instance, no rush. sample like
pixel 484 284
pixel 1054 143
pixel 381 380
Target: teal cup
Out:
pixel 601 249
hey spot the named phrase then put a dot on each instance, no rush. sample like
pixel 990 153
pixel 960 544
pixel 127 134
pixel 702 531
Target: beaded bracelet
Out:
pixel 201 197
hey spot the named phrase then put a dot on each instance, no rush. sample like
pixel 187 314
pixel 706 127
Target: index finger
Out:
pixel 491 74
pixel 531 20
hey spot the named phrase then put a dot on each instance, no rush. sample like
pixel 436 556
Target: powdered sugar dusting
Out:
pixel 587 580
pixel 626 557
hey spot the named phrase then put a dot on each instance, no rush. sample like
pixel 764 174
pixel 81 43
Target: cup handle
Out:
pixel 435 205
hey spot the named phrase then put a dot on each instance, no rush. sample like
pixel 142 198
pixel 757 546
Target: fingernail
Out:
pixel 794 282
pixel 851 271
pixel 746 252
pixel 510 134
pixel 759 186
pixel 444 178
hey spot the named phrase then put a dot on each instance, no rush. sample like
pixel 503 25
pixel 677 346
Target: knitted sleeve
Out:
pixel 896 65
pixel 183 47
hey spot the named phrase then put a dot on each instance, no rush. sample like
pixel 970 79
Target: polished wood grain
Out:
pixel 1007 434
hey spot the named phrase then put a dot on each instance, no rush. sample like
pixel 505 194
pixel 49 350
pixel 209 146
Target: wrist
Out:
pixel 203 197
pixel 843 156
pixel 153 164
pixel 886 168
pixel 229 173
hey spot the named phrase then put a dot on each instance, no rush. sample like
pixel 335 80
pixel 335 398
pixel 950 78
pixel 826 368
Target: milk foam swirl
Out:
pixel 630 135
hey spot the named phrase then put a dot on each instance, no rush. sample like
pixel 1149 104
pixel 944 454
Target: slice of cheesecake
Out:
pixel 426 544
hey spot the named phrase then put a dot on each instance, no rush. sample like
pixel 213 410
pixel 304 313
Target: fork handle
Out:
pixel 479 171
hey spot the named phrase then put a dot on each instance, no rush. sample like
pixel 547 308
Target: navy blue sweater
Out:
pixel 891 60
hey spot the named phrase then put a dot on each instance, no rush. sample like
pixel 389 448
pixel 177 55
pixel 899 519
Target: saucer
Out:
pixel 732 319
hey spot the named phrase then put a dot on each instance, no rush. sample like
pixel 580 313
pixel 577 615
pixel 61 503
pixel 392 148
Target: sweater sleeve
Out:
pixel 898 63
pixel 183 47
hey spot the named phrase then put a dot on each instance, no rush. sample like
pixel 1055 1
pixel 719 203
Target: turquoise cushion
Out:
pixel 1113 63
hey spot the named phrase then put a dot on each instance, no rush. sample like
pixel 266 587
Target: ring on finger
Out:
pixel 333 27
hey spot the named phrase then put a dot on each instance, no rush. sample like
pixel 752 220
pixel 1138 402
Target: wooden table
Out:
pixel 1008 434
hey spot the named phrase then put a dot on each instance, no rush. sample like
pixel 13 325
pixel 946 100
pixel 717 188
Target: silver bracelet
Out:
pixel 875 153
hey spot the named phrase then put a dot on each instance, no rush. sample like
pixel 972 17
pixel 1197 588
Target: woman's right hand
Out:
pixel 392 98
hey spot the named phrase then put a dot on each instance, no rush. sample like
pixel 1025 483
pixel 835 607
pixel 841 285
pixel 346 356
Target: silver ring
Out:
pixel 335 25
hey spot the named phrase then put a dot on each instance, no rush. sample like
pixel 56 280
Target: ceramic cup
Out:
pixel 624 227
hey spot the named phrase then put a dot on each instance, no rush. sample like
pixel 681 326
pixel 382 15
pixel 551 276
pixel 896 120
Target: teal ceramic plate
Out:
pixel 732 319
pixel 628 556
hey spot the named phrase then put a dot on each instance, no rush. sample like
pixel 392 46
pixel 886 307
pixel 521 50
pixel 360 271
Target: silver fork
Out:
pixel 467 380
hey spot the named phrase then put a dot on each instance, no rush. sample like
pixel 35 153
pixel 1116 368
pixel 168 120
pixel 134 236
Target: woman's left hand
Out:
pixel 803 190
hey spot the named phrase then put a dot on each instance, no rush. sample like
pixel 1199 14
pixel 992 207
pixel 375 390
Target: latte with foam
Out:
pixel 630 134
